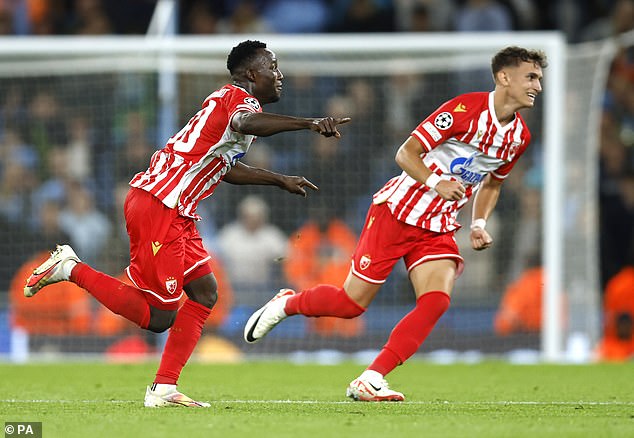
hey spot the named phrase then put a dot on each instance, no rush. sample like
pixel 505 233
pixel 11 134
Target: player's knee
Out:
pixel 207 298
pixel 161 320
pixel 353 311
pixel 203 290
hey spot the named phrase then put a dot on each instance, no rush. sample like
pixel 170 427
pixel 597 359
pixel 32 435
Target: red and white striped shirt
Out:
pixel 196 159
pixel 463 141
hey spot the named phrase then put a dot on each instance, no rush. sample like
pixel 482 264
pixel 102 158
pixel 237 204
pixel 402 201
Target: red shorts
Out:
pixel 385 239
pixel 166 250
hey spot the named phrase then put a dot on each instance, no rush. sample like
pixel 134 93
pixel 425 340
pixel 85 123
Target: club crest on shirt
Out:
pixel 252 102
pixel 513 148
pixel 443 120
pixel 364 262
pixel 171 285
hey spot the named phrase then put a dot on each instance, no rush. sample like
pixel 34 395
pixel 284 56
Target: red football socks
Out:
pixel 411 331
pixel 117 296
pixel 323 300
pixel 181 341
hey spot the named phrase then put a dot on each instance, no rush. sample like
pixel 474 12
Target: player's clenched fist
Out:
pixel 450 190
pixel 480 239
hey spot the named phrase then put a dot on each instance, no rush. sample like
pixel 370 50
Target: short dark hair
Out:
pixel 514 56
pixel 242 54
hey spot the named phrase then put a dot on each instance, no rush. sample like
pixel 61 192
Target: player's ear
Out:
pixel 503 77
pixel 250 74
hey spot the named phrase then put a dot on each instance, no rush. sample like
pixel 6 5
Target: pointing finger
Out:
pixel 311 185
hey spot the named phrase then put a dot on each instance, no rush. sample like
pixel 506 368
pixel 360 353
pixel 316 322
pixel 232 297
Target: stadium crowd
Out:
pixel 63 166
pixel 580 19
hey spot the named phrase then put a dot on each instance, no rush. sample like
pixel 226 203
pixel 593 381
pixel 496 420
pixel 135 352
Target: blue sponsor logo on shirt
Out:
pixel 460 166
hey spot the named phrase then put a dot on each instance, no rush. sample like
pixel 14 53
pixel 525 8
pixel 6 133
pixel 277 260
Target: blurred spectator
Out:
pixel 199 17
pixel 320 253
pixel 79 151
pixel 620 19
pixel 617 343
pixel 363 16
pixel 135 149
pixel 424 15
pixel 54 188
pixel 88 228
pixel 90 18
pixel 6 22
pixel 15 243
pixel 402 92
pixel 525 14
pixel 245 18
pixel 420 20
pixel 520 310
pixel 40 17
pixel 483 15
pixel 46 127
pixel 252 248
pixel 618 102
pixel 527 226
pixel 336 183
pixel 295 16
pixel 16 182
pixel 354 154
pixel 49 232
pixel 64 309
pixel 616 219
pixel 14 111
pixel 130 17
pixel 115 256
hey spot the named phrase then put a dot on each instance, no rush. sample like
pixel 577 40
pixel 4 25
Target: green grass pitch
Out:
pixel 279 399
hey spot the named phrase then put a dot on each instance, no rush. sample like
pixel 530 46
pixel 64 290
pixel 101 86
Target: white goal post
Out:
pixel 373 55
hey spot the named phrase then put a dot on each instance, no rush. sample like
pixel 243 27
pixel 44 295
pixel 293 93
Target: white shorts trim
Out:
pixel 197 264
pixel 429 258
pixel 363 277
pixel 157 296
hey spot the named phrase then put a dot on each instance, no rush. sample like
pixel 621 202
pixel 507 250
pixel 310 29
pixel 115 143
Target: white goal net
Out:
pixel 79 117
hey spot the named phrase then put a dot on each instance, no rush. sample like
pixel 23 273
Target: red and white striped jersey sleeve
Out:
pixel 196 159
pixel 463 141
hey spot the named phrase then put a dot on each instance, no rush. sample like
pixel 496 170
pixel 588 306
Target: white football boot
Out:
pixel 160 395
pixel 371 386
pixel 52 270
pixel 266 317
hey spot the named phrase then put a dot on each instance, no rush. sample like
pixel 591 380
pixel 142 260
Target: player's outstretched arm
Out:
pixel 242 174
pixel 265 124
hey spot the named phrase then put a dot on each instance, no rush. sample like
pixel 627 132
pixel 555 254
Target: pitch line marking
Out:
pixel 323 402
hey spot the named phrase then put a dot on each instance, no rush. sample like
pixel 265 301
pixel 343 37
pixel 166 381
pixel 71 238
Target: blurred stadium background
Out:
pixel 89 89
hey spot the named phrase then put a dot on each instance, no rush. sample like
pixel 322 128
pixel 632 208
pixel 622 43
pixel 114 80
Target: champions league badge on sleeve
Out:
pixel 443 120
pixel 252 102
